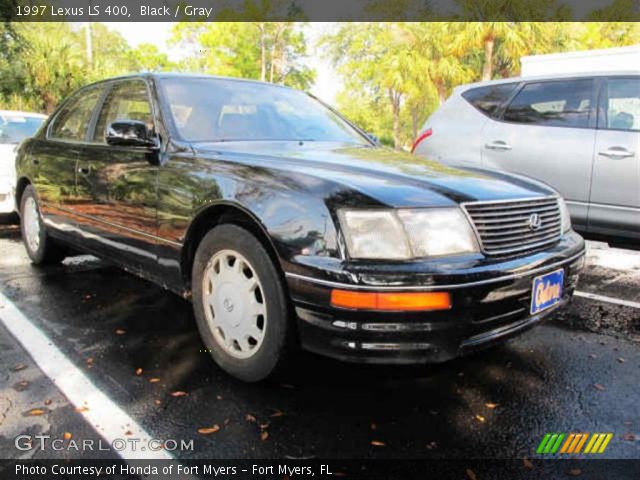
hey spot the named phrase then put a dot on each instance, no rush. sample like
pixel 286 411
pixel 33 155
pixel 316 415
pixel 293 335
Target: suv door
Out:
pixel 54 159
pixel 615 192
pixel 117 184
pixel 547 132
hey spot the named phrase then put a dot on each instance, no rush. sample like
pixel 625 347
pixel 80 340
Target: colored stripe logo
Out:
pixel 574 443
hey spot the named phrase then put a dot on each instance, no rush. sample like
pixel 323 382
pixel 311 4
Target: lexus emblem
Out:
pixel 535 222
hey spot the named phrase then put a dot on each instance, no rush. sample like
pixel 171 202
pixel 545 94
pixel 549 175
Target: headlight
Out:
pixel 406 234
pixel 374 234
pixel 565 215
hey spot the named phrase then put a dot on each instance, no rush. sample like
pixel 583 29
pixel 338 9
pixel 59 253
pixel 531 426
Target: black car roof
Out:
pixel 160 75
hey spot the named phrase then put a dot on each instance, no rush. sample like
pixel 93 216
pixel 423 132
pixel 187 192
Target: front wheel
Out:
pixel 39 245
pixel 240 305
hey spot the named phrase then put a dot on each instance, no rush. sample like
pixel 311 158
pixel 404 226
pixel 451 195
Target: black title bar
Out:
pixel 316 10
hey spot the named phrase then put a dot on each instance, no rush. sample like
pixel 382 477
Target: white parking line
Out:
pixel 603 298
pixel 107 418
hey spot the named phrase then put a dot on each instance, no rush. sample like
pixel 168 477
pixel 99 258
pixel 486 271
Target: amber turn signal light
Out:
pixel 390 301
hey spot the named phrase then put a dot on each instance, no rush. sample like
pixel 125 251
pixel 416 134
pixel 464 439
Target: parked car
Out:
pixel 285 225
pixel 14 127
pixel 578 133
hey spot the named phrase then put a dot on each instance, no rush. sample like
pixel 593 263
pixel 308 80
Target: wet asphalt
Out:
pixel 563 376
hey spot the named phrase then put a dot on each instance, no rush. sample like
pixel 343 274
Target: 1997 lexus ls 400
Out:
pixel 288 226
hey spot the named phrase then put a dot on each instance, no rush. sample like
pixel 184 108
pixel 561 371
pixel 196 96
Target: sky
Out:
pixel 158 33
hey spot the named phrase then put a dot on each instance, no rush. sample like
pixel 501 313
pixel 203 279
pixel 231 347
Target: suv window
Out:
pixel 622 104
pixel 489 99
pixel 72 121
pixel 564 103
pixel 126 101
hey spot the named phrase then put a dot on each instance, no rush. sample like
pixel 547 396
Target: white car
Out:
pixel 578 133
pixel 14 127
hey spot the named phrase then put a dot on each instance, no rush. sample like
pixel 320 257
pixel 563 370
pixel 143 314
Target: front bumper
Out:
pixel 7 200
pixel 490 303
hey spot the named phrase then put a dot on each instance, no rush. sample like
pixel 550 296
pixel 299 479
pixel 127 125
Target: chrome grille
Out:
pixel 505 227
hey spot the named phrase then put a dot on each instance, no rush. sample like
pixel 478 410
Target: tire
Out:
pixel 40 247
pixel 240 305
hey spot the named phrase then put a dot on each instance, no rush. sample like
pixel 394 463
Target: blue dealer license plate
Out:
pixel 546 291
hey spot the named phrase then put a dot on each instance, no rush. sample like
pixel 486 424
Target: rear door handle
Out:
pixel 617 153
pixel 498 145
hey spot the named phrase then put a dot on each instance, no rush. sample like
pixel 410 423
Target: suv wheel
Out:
pixel 240 304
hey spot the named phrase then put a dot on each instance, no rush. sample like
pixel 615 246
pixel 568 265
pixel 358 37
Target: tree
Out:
pixel 148 58
pixel 376 59
pixel 51 62
pixel 268 51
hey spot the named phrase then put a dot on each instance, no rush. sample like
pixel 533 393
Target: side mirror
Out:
pixel 131 133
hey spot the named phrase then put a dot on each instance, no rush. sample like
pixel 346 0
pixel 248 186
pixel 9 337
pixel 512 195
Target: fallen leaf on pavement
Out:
pixel 597 386
pixel 630 437
pixel 82 409
pixel 527 463
pixel 593 355
pixel 209 430
pixel 471 474
pixel 374 426
pixel 621 360
pixel 377 443
pixel 18 367
pixel 67 436
pixel 154 380
pixel 264 426
pixel 35 412
pixel 48 402
pixel 179 393
pixel 128 433
pixel 432 445
pixel 139 371
pixel 250 418
pixel 120 331
pixel 90 361
pixel 264 435
pixel 157 402
pixel 480 418
pixel 491 405
pixel 575 472
pixel 277 414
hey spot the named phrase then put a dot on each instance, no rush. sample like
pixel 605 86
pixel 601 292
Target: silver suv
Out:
pixel 578 133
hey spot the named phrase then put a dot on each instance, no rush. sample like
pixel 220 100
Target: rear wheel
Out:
pixel 240 304
pixel 39 245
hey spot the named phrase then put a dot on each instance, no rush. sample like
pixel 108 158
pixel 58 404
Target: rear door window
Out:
pixel 491 98
pixel 621 105
pixel 74 118
pixel 563 103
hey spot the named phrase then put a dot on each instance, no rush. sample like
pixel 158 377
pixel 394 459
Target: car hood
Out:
pixel 391 177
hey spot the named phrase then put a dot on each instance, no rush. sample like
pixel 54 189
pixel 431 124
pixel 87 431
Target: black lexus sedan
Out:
pixel 287 226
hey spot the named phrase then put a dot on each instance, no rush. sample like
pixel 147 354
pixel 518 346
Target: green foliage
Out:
pixel 42 63
pixel 396 74
pixel 267 51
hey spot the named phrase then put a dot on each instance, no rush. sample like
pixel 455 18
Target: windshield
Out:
pixel 217 110
pixel 15 128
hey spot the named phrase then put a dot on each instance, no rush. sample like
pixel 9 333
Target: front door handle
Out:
pixel 617 153
pixel 498 145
